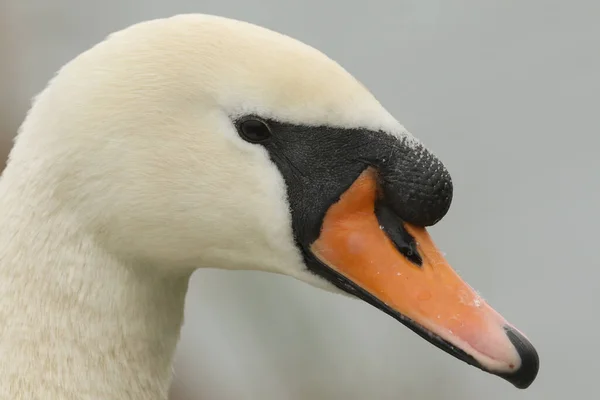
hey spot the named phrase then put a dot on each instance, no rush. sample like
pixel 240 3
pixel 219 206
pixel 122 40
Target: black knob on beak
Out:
pixel 415 184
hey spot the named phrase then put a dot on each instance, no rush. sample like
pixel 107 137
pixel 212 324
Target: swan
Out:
pixel 197 141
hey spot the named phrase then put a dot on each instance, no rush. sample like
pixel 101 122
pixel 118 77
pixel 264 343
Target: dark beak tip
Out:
pixel 530 361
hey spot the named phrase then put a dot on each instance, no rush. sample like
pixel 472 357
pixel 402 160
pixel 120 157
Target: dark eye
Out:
pixel 254 130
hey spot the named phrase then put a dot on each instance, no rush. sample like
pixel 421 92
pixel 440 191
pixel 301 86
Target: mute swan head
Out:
pixel 198 141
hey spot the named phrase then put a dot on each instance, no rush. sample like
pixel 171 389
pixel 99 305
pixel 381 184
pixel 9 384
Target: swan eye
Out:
pixel 254 130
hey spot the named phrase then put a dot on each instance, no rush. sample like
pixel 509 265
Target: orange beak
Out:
pixel 419 289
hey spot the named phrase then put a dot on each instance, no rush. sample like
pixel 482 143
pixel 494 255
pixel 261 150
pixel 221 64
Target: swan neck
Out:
pixel 76 322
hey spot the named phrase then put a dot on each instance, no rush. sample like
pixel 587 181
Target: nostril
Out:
pixel 394 229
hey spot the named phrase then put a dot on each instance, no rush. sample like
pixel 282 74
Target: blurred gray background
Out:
pixel 505 92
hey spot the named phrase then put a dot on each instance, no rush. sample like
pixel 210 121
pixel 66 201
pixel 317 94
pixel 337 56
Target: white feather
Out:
pixel 127 174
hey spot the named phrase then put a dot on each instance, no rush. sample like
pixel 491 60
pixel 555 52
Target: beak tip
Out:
pixel 530 361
